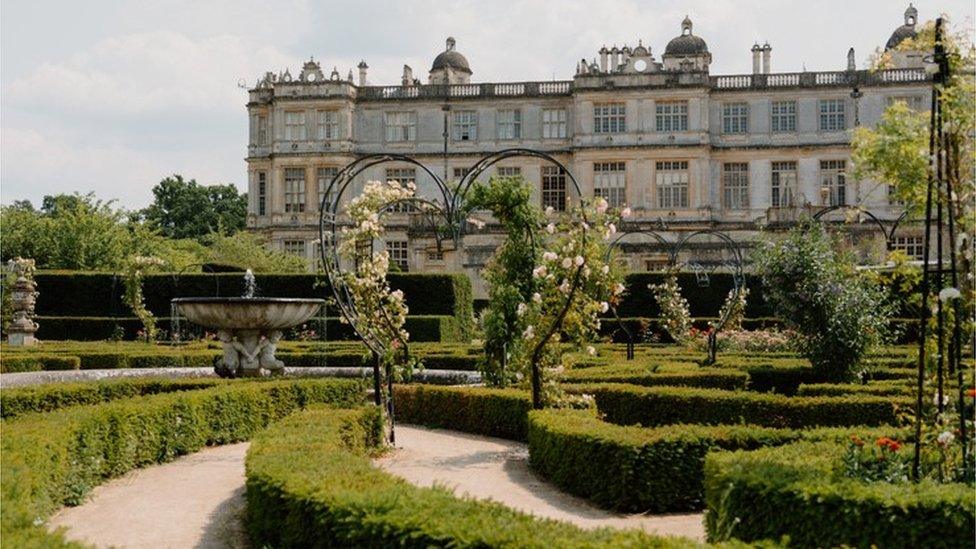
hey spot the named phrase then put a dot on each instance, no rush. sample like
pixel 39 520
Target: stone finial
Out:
pixel 23 296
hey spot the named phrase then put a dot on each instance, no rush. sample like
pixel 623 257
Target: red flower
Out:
pixel 971 393
pixel 857 441
pixel 889 444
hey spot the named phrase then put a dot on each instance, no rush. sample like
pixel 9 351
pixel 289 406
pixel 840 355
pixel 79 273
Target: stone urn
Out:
pixel 23 296
pixel 249 328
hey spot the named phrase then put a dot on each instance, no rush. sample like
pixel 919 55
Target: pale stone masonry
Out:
pixel 684 149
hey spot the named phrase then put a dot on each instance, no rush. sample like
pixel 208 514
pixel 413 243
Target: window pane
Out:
pixel 671 178
pixel 735 185
pixel 610 182
pixel 554 188
pixel 294 190
pixel 783 184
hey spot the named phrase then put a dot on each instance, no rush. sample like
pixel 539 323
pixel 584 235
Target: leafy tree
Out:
pixel 186 209
pixel 250 251
pixel 839 312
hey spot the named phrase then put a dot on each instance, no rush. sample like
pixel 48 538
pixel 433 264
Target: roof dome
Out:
pixel 905 31
pixel 450 58
pixel 687 43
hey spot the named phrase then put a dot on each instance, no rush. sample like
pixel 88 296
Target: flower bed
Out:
pixel 52 460
pixel 310 483
pixel 636 469
pixel 797 490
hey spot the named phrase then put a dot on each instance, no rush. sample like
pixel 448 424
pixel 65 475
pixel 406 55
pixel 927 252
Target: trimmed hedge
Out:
pixel 52 460
pixel 654 406
pixel 493 412
pixel 715 378
pixel 37 363
pixel 798 490
pixel 310 484
pixel 635 469
pixel 54 396
pixel 879 388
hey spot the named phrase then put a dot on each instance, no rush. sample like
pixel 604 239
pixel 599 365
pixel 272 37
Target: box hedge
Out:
pixel 36 363
pixel 310 483
pixel 688 376
pixel 879 388
pixel 636 469
pixel 799 490
pixel 51 460
pixel 654 406
pixel 493 412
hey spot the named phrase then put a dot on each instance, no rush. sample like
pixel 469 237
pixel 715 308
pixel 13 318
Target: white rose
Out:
pixel 625 213
pixel 948 293
pixel 550 256
pixel 529 332
pixel 590 350
pixel 539 271
pixel 564 287
pixel 578 261
pixel 549 210
pixel 550 228
pixel 605 269
pixel 567 263
pixel 601 205
pixel 537 297
pixel 604 306
pixel 945 438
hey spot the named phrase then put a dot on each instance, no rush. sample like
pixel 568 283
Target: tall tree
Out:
pixel 185 209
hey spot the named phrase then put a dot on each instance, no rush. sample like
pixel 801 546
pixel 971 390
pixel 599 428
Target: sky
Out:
pixel 112 96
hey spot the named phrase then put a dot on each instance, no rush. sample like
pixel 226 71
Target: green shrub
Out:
pixel 103 361
pixel 310 484
pixel 155 361
pixel 493 412
pixel 52 460
pixel 899 388
pixel 653 406
pixel 637 469
pixel 54 396
pixel 647 376
pixel 798 491
pixel 37 363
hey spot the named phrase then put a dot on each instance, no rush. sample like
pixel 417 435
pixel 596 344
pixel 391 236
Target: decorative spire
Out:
pixel 686 25
pixel 450 43
pixel 911 15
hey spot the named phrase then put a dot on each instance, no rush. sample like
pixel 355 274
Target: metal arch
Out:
pixel 889 234
pixel 613 308
pixel 464 185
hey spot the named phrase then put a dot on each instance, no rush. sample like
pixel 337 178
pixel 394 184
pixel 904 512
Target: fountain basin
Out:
pixel 249 328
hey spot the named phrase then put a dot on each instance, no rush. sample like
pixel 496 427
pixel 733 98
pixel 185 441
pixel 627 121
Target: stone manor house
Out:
pixel 684 149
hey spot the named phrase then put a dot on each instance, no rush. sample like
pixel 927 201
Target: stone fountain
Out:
pixel 248 327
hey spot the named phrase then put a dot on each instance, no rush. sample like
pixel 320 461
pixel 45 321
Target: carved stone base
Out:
pixel 21 339
pixel 249 353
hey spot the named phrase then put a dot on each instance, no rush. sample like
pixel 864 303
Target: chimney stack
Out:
pixel 851 63
pixel 603 58
pixel 362 72
pixel 756 51
pixel 407 79
pixel 766 51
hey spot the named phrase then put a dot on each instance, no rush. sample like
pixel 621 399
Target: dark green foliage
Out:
pixel 653 406
pixel 692 376
pixel 493 412
pixel 636 469
pixel 54 396
pixel 310 484
pixel 36 363
pixel 881 388
pixel 50 460
pixel 185 209
pixel 798 491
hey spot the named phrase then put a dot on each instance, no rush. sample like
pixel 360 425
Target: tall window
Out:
pixel 262 193
pixel 832 115
pixel 735 118
pixel 609 117
pixel 401 126
pixel 554 188
pixel 735 185
pixel 610 182
pixel 554 123
pixel 913 246
pixel 328 125
pixel 459 173
pixel 401 176
pixel 783 184
pixel 323 177
pixel 295 247
pixel 671 116
pixel 465 125
pixel 833 176
pixel 509 171
pixel 262 129
pixel 510 124
pixel 399 254
pixel 295 126
pixel 783 116
pixel 294 190
pixel 672 184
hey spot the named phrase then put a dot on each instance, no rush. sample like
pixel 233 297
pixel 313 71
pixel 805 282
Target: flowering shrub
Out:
pixel 761 341
pixel 881 462
pixel 135 267
pixel 674 308
pixel 838 312
pixel 376 307
pixel 572 285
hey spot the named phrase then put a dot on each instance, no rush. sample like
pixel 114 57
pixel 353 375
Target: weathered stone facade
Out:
pixel 684 149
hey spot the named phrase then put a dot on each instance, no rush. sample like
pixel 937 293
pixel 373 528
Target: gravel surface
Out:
pixel 498 469
pixel 438 377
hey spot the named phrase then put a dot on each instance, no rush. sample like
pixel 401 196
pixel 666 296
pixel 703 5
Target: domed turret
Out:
pixel 450 67
pixel 905 31
pixel 686 50
pixel 900 57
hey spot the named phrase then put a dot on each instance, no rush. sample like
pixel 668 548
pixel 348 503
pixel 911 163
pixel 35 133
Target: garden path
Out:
pixel 498 469
pixel 195 501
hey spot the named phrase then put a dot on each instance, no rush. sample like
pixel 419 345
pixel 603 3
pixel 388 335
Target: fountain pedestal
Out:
pixel 248 328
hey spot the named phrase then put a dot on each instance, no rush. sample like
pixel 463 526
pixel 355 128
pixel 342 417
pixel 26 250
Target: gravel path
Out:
pixel 437 377
pixel 195 501
pixel 498 469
